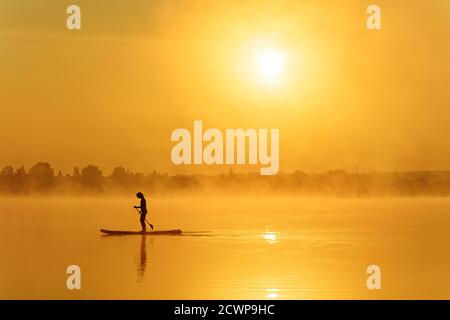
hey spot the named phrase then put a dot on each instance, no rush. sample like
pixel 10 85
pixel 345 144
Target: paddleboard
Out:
pixel 153 233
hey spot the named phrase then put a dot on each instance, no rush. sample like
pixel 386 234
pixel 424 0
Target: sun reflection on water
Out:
pixel 270 236
pixel 272 293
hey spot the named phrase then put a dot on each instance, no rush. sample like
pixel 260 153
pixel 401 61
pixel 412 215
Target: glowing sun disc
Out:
pixel 271 63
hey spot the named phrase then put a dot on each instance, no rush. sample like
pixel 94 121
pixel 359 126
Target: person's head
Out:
pixel 140 195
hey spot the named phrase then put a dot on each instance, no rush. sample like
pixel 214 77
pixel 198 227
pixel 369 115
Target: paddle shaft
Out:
pixel 139 212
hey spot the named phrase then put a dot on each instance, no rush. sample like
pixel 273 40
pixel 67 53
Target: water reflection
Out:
pixel 270 236
pixel 142 258
pixel 272 293
pixel 316 249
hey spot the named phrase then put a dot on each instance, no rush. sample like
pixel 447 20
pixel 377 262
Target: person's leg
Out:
pixel 143 221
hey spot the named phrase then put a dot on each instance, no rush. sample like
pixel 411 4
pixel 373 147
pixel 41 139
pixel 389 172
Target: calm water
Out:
pixel 241 248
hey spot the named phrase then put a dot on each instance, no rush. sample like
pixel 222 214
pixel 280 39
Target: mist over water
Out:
pixel 41 180
pixel 240 248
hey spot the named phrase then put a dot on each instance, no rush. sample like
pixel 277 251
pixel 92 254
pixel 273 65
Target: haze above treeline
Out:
pixel 42 180
pixel 114 91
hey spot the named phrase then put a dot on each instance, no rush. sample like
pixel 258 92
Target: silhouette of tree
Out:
pixel 60 180
pixel 92 178
pixel 21 183
pixel 120 176
pixel 42 177
pixel 7 171
pixel 76 173
pixel 7 179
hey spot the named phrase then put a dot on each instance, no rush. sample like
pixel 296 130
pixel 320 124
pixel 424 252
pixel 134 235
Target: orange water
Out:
pixel 234 248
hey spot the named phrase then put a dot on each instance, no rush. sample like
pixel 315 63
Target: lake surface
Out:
pixel 232 248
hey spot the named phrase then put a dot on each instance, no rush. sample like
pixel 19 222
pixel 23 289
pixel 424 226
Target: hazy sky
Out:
pixel 112 93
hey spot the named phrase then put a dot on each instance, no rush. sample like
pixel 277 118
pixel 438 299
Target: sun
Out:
pixel 271 63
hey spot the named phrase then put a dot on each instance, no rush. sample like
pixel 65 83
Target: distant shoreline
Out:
pixel 41 180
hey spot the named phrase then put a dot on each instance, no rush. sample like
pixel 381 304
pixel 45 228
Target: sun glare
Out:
pixel 272 293
pixel 270 237
pixel 271 63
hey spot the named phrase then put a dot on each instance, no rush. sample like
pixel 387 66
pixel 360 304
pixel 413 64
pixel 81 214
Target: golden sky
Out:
pixel 111 93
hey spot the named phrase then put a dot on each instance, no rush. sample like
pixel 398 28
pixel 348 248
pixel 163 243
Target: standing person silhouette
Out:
pixel 142 210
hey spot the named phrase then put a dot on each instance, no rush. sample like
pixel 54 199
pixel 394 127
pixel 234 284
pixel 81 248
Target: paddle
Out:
pixel 139 211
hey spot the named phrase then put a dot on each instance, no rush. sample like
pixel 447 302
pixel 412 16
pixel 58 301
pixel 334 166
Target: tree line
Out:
pixel 41 179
